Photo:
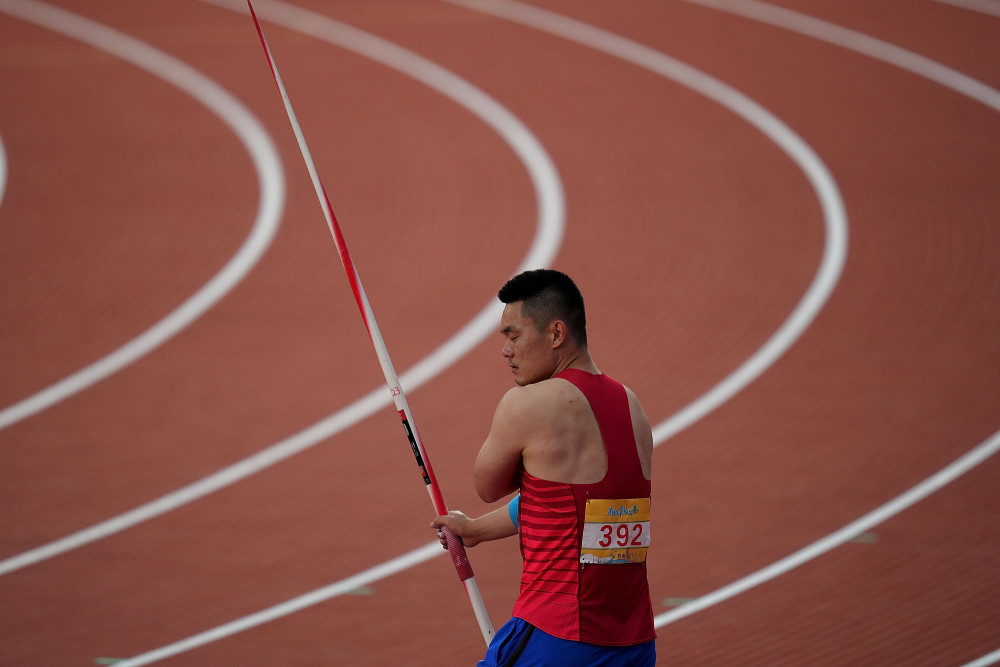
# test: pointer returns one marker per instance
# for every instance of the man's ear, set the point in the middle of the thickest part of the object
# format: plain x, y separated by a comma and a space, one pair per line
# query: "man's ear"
558, 333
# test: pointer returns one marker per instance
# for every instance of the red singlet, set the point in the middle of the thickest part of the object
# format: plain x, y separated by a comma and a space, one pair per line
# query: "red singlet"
584, 545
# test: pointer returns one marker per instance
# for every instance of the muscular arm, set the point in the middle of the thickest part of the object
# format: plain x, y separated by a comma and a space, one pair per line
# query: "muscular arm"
496, 472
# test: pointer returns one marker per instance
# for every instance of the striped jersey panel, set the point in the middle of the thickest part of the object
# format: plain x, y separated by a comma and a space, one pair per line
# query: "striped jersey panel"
549, 542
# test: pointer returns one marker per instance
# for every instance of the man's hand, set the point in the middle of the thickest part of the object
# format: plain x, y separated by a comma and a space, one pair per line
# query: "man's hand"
459, 524
492, 526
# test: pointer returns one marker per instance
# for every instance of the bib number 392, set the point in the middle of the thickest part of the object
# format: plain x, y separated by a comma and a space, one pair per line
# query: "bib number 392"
621, 535
615, 531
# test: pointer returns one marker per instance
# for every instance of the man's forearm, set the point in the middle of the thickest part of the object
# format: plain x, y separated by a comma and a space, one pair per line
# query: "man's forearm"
493, 525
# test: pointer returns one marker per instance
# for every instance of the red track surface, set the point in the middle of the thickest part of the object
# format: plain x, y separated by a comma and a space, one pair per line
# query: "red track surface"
692, 236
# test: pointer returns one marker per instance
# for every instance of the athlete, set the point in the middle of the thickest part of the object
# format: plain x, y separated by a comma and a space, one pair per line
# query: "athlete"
578, 447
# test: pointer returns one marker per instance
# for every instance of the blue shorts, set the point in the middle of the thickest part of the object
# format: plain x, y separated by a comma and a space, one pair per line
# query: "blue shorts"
520, 644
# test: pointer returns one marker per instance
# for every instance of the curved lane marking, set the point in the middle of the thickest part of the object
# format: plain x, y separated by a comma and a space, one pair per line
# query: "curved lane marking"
858, 42
991, 7
250, 132
548, 236
895, 506
988, 659
962, 465
371, 575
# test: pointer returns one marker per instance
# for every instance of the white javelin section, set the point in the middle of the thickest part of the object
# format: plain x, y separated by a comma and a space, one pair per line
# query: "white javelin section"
548, 236
250, 132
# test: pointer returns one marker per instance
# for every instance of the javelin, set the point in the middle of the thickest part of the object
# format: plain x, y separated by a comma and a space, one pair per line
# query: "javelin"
455, 546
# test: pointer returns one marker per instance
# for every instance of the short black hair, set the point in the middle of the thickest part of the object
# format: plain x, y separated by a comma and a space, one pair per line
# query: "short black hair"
548, 295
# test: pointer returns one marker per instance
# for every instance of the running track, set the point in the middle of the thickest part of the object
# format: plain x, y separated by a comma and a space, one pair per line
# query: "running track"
786, 223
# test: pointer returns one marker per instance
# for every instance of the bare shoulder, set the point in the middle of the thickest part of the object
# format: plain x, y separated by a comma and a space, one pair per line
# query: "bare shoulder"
633, 402
523, 417
549, 411
537, 399
643, 432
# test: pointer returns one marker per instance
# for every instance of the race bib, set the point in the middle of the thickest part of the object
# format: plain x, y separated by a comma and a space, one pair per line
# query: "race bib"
615, 531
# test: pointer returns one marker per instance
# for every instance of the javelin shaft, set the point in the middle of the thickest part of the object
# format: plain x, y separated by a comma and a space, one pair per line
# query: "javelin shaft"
455, 546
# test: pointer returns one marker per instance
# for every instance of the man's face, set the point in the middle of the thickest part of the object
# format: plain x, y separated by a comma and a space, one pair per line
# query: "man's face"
528, 351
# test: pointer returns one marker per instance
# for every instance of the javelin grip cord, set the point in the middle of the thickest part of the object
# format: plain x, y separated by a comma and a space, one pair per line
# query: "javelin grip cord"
455, 546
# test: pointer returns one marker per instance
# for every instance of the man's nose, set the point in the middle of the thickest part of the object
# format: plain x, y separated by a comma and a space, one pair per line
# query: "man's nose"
507, 350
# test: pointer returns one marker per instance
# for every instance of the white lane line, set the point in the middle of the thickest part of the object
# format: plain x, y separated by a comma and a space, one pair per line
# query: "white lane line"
845, 534
250, 132
991, 7
369, 576
548, 236
988, 659
859, 43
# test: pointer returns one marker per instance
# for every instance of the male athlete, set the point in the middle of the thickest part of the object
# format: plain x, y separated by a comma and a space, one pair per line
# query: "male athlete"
578, 446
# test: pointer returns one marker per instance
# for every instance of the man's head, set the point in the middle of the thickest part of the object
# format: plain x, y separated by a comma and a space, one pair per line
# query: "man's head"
548, 295
543, 324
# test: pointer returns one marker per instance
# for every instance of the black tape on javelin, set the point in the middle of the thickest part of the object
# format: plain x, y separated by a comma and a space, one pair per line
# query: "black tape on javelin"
416, 451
